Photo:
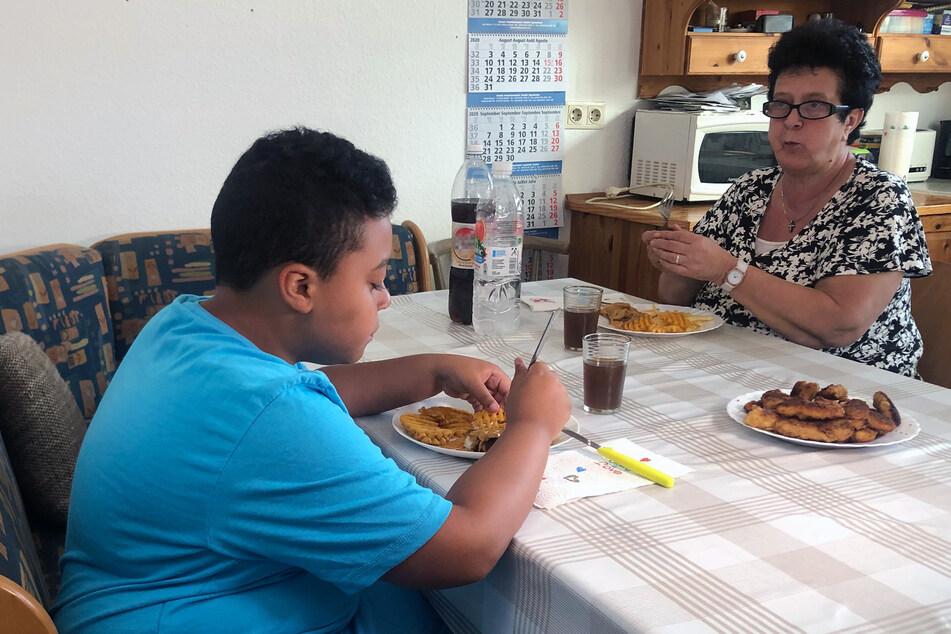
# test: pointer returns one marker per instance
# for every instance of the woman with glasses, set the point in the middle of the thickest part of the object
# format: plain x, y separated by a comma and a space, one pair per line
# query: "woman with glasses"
819, 250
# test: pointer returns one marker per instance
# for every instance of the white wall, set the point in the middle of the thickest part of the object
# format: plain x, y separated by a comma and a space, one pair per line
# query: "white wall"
126, 116
120, 116
932, 106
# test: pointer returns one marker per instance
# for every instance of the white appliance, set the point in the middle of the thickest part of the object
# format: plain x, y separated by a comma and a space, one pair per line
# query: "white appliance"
922, 152
698, 154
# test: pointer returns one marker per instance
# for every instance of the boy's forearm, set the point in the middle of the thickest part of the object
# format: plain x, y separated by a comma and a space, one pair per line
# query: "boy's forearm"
378, 386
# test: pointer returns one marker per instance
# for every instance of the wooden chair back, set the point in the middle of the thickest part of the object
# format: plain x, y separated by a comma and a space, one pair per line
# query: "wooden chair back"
532, 248
931, 308
21, 612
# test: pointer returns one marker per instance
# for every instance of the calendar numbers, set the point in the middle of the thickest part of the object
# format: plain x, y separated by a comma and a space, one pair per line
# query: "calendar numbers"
519, 9
540, 187
517, 135
515, 63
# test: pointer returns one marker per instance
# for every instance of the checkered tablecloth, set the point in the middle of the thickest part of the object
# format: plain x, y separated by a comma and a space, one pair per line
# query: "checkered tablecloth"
763, 536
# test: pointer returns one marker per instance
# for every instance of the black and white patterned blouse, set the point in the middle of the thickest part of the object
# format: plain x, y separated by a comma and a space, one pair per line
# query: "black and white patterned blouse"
869, 226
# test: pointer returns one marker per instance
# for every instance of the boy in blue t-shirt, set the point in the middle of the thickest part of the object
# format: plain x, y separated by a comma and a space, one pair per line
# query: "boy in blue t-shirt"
223, 486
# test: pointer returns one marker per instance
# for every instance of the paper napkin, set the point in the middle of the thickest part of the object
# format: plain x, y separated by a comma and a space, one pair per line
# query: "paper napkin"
543, 303
581, 473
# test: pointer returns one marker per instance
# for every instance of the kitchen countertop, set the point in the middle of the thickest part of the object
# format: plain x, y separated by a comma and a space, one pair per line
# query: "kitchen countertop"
931, 197
932, 186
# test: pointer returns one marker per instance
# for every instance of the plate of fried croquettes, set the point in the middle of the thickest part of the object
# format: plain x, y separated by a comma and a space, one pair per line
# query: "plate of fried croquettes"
827, 417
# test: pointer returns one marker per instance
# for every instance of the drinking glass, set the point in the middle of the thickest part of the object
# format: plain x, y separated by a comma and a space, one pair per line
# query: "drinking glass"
582, 306
605, 364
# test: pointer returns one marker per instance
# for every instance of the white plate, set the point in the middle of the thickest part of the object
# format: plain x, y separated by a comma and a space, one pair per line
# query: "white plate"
713, 324
572, 424
908, 429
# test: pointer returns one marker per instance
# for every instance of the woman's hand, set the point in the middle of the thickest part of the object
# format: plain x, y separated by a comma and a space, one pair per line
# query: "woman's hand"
689, 255
484, 385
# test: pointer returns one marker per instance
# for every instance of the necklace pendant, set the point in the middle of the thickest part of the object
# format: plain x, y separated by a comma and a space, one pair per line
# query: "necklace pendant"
791, 226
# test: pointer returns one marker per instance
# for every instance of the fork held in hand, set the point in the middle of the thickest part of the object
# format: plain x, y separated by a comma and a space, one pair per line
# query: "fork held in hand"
665, 207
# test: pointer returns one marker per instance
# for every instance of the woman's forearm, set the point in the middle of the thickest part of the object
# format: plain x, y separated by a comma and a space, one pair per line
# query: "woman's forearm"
677, 289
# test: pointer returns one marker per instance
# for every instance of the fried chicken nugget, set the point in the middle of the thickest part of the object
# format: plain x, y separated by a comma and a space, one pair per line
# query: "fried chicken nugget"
805, 390
839, 430
883, 404
834, 392
856, 409
864, 435
761, 418
772, 398
817, 409
620, 312
880, 423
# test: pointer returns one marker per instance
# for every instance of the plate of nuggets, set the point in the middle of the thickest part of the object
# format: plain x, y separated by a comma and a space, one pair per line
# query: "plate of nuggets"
656, 320
454, 431
827, 417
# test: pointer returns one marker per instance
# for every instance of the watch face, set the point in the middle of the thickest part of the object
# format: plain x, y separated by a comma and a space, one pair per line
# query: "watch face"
734, 277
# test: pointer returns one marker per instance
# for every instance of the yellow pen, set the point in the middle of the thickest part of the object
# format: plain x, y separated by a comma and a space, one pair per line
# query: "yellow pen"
627, 462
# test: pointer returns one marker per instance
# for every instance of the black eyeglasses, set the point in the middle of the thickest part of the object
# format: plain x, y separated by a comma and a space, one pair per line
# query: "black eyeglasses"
806, 109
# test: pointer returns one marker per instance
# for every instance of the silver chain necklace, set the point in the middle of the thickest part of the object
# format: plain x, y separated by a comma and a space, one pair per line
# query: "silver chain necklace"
792, 222
791, 226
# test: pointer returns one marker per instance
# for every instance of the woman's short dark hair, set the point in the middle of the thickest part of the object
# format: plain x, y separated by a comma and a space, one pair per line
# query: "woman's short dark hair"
297, 195
833, 44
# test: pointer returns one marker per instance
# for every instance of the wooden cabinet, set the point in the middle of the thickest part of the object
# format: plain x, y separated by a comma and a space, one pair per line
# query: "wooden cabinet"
914, 53
606, 245
733, 54
705, 61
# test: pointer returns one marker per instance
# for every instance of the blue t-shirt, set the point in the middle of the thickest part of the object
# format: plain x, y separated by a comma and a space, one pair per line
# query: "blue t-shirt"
221, 489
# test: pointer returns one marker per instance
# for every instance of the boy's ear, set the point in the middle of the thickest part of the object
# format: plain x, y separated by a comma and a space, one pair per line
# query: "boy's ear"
298, 286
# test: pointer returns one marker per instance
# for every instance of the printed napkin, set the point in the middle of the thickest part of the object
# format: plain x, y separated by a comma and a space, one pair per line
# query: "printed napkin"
544, 303
581, 473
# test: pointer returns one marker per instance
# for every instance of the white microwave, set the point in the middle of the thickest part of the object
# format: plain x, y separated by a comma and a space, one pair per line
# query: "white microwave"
698, 154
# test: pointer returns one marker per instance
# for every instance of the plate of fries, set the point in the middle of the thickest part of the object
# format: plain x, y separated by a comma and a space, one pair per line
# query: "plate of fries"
440, 426
656, 320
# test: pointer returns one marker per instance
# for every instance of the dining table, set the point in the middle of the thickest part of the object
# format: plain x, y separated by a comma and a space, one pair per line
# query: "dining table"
762, 535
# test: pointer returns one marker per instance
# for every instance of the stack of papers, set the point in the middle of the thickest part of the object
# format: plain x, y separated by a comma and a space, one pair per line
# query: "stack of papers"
723, 100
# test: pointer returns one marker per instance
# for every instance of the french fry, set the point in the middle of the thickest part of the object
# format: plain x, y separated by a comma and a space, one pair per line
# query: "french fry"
654, 319
448, 427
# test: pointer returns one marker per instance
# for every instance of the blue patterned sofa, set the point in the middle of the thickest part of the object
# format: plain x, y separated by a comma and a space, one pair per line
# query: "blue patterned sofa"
82, 307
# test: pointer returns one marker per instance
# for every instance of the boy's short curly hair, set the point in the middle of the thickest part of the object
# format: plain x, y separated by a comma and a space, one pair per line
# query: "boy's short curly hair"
833, 44
297, 195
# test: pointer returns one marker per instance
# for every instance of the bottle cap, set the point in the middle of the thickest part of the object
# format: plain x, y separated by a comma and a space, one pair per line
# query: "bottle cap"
474, 148
502, 168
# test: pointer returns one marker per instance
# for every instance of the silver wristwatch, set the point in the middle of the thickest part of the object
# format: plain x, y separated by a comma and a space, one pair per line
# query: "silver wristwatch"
735, 276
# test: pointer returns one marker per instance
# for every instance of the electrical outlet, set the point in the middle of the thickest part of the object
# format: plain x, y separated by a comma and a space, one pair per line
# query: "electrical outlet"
587, 115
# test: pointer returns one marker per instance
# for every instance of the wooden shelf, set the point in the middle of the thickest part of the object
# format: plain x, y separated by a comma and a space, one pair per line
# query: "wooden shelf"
701, 62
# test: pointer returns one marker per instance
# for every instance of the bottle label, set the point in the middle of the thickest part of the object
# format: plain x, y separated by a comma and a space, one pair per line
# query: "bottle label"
463, 245
501, 262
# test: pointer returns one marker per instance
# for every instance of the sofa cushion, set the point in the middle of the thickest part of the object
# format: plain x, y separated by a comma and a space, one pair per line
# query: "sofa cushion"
18, 558
57, 295
41, 427
401, 268
146, 271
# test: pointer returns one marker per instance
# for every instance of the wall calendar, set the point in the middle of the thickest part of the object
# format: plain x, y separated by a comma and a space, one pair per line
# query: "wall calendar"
515, 9
540, 186
525, 127
516, 103
505, 63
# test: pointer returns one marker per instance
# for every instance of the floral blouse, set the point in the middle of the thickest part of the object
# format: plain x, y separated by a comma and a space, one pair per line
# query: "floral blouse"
869, 226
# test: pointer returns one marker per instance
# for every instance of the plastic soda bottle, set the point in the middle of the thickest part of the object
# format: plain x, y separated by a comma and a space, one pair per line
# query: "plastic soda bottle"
499, 232
471, 188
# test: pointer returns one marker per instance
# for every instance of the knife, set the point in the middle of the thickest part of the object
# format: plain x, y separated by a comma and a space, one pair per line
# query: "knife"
627, 462
541, 340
